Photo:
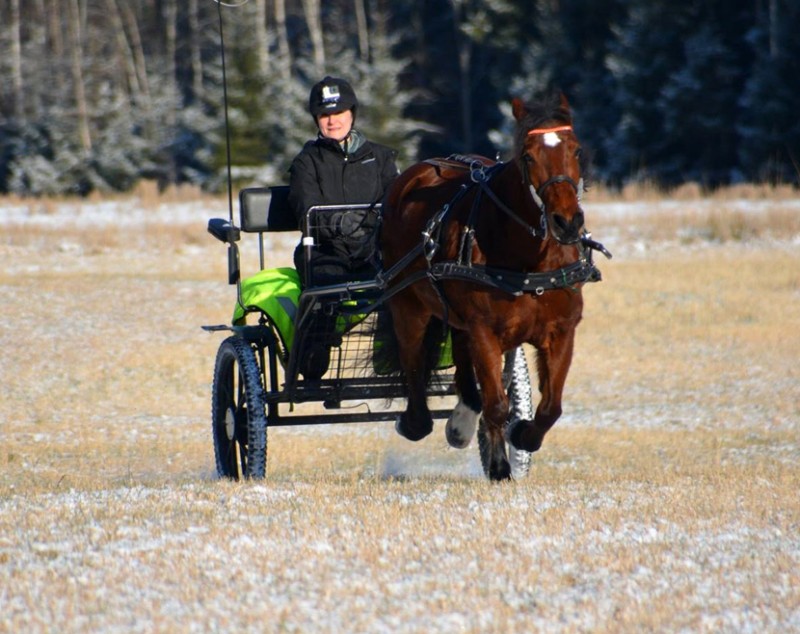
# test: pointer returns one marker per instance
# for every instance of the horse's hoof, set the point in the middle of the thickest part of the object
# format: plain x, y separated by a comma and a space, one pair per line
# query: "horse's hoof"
516, 435
414, 434
500, 471
460, 427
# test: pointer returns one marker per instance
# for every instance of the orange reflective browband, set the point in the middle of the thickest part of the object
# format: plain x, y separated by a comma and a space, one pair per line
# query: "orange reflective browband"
561, 128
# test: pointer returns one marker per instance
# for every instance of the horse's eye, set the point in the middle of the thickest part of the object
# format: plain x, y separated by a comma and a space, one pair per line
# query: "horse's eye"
578, 153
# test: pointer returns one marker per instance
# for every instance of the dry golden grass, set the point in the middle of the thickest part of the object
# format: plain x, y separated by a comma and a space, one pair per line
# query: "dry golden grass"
664, 500
145, 193
648, 191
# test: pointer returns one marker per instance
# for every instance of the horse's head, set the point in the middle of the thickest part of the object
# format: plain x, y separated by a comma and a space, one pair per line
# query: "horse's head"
549, 155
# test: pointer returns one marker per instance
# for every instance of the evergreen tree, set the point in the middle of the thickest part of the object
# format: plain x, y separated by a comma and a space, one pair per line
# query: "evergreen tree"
427, 39
647, 50
120, 90
698, 114
769, 128
567, 46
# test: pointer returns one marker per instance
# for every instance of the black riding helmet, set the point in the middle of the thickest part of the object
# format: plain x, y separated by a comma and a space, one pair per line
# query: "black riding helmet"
332, 95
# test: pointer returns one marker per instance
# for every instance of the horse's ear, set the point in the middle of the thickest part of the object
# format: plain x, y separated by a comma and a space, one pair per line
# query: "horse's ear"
563, 101
518, 108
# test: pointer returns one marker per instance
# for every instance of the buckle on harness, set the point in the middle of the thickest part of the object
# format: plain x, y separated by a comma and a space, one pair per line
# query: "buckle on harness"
477, 172
429, 243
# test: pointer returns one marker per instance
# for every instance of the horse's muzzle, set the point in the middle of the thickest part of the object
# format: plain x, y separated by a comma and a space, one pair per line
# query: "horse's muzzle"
567, 231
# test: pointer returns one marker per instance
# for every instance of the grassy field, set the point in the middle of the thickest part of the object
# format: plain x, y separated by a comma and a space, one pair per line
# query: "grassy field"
665, 499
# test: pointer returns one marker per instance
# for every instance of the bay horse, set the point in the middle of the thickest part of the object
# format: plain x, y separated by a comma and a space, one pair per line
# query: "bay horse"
497, 252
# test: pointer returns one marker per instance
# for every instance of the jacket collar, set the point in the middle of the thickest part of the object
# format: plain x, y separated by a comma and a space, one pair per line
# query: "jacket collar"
352, 144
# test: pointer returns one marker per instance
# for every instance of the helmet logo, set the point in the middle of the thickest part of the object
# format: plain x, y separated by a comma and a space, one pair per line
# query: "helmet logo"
330, 95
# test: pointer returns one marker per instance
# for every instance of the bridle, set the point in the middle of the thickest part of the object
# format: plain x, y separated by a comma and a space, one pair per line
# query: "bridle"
537, 193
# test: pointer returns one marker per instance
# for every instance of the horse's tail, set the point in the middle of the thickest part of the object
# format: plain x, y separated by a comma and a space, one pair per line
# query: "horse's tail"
386, 348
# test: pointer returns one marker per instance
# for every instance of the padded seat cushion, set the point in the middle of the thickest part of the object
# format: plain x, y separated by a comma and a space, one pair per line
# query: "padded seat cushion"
275, 292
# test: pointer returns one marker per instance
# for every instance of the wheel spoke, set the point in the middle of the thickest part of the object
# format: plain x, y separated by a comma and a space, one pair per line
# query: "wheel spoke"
242, 460
230, 458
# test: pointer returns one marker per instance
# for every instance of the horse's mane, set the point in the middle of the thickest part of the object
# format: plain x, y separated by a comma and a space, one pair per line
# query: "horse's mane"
538, 112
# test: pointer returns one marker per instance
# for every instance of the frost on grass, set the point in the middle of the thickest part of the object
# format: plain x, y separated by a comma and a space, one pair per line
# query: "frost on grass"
180, 557
663, 500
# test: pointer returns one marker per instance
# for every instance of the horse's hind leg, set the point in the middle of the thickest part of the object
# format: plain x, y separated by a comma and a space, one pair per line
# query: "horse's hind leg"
410, 323
462, 422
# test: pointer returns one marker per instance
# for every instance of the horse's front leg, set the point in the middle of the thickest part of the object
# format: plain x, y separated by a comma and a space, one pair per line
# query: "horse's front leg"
488, 362
464, 419
553, 361
409, 326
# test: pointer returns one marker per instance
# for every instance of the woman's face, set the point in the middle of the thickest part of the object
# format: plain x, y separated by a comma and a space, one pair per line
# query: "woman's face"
335, 126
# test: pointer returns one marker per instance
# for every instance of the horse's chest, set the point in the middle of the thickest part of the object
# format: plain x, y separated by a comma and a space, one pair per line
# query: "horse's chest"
536, 318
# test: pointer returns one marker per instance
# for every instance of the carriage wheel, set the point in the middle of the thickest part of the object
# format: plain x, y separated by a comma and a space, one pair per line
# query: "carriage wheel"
516, 378
239, 420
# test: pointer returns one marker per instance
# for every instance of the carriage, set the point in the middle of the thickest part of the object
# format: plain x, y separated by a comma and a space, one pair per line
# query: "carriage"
478, 258
258, 383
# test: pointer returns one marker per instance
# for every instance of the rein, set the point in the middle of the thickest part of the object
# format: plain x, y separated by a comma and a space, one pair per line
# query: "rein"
479, 175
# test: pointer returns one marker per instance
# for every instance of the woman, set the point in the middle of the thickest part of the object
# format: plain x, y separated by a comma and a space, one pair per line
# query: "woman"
339, 167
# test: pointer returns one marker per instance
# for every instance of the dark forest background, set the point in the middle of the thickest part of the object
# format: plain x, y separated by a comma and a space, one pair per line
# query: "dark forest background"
99, 94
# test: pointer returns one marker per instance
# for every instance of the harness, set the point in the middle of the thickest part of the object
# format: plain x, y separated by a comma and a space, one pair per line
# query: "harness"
463, 269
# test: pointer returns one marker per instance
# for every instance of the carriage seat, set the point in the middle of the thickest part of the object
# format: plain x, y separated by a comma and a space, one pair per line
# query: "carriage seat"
276, 292
272, 292
266, 210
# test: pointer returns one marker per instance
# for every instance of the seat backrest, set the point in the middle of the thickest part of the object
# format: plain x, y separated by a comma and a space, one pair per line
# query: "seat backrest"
266, 209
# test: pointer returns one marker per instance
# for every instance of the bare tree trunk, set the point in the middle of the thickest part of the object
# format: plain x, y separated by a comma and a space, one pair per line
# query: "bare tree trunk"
124, 52
464, 44
76, 62
363, 30
311, 9
135, 38
54, 29
465, 90
171, 37
773, 29
36, 104
285, 54
262, 37
16, 62
56, 40
171, 31
195, 44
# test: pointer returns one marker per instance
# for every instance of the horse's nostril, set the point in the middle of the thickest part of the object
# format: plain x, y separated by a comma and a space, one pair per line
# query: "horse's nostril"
567, 231
565, 225
560, 222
